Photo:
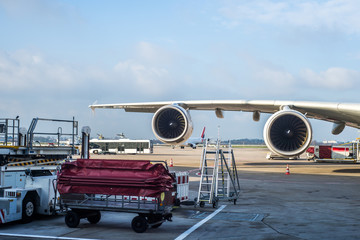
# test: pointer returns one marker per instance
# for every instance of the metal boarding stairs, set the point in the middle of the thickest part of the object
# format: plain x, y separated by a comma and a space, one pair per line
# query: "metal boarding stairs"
219, 178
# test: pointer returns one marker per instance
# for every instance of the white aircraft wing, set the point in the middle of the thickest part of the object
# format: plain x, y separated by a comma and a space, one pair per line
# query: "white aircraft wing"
287, 132
347, 113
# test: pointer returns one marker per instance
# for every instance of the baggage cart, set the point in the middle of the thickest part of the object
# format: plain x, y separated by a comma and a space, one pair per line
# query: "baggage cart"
89, 186
152, 212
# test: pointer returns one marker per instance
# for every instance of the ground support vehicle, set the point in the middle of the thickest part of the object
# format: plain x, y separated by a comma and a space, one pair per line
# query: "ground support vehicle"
273, 156
25, 192
347, 153
19, 147
28, 167
88, 186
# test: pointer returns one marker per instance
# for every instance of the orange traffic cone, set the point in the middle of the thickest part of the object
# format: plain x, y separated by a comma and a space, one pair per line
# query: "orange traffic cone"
287, 170
171, 162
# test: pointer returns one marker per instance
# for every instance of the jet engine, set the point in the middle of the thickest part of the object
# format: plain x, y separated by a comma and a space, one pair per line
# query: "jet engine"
172, 124
288, 133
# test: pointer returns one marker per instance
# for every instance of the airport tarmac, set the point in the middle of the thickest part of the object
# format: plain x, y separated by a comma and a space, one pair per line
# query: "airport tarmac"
316, 201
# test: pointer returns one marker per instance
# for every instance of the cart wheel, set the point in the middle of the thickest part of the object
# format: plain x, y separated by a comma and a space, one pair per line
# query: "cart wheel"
215, 204
202, 204
28, 209
235, 201
195, 202
72, 219
139, 224
93, 219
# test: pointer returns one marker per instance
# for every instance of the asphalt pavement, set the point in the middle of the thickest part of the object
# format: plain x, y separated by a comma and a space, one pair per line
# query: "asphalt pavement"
315, 201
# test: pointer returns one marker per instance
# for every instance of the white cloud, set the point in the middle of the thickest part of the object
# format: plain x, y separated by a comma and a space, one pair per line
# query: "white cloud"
335, 15
332, 78
268, 78
153, 54
273, 77
24, 70
32, 73
148, 79
152, 70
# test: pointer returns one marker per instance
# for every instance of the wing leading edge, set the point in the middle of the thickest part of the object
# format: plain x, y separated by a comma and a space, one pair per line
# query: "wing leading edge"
347, 113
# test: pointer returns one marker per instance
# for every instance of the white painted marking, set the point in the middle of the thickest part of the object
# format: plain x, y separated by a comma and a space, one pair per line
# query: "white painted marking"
196, 226
256, 216
39, 236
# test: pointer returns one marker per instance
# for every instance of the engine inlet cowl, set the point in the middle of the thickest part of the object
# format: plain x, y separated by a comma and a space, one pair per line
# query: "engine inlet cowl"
288, 133
172, 124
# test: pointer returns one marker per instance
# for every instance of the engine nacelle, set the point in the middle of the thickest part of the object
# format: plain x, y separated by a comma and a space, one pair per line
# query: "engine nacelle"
172, 124
288, 133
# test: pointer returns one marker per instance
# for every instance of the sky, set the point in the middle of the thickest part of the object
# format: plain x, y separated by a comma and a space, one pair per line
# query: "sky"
57, 57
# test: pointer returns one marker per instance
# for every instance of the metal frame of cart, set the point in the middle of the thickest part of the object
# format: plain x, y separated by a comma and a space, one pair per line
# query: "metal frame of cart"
152, 211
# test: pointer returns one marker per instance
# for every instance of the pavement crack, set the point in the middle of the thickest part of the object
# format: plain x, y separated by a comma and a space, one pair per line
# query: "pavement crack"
281, 233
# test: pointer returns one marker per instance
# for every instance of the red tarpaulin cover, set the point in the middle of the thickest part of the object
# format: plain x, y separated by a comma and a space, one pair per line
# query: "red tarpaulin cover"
114, 177
324, 152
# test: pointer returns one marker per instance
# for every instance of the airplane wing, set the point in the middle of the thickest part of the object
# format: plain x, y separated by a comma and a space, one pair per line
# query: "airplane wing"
347, 113
287, 132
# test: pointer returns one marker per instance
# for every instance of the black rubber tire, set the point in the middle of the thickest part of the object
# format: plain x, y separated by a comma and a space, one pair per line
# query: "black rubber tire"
72, 219
139, 224
202, 204
177, 202
28, 209
94, 219
215, 204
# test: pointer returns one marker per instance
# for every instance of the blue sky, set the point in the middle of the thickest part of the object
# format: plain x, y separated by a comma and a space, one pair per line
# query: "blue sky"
57, 57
